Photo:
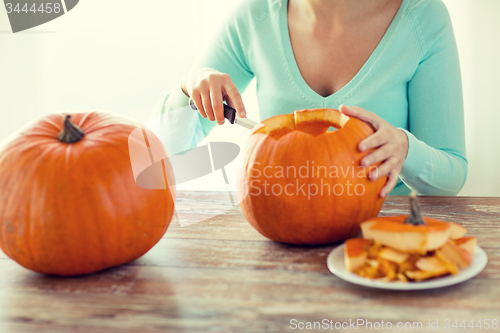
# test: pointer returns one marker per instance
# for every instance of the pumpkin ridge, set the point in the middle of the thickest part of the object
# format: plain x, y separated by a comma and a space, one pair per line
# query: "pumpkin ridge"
129, 198
83, 119
360, 128
29, 235
255, 149
3, 231
57, 127
104, 122
133, 215
17, 145
59, 180
30, 173
103, 194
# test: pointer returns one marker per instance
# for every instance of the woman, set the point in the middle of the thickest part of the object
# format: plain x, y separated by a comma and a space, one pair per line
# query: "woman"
394, 61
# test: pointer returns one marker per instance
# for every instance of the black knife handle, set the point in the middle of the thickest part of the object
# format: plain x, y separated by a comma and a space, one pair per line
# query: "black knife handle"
229, 112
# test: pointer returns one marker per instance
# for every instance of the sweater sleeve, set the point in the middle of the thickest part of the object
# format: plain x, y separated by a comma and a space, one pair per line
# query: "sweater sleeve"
436, 163
226, 54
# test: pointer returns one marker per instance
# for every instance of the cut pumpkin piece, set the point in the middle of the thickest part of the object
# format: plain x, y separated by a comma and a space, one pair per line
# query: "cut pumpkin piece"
457, 231
355, 253
456, 255
432, 265
393, 255
466, 243
422, 275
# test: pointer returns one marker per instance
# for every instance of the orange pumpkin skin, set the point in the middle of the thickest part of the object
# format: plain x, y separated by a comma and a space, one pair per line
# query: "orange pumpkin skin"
302, 218
74, 208
397, 224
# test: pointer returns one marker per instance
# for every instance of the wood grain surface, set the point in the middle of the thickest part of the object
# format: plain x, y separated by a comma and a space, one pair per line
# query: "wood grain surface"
220, 275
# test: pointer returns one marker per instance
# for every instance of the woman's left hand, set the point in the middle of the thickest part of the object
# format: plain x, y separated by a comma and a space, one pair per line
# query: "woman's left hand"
390, 143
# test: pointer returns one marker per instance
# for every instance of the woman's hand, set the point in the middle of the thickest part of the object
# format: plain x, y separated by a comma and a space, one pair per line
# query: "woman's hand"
390, 143
209, 88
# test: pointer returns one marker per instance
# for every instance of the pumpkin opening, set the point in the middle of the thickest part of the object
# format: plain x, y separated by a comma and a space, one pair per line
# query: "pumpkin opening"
314, 122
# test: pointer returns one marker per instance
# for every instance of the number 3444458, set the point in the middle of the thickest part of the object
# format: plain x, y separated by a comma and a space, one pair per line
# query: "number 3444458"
44, 7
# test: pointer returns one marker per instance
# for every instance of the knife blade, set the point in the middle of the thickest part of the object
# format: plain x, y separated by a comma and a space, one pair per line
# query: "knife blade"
231, 115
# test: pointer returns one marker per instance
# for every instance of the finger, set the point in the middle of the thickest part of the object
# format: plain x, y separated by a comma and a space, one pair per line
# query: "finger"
234, 98
207, 104
391, 182
378, 155
362, 114
199, 104
216, 99
383, 169
373, 141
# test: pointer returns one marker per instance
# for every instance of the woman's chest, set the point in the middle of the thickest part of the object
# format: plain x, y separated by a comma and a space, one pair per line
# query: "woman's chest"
330, 55
327, 65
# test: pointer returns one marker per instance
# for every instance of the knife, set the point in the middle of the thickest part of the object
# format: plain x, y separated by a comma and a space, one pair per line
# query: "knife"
231, 115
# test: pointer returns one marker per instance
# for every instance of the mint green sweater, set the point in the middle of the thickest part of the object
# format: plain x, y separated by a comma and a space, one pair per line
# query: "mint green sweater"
412, 80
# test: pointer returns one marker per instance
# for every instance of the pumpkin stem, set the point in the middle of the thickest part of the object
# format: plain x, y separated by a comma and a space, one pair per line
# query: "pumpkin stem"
415, 217
71, 133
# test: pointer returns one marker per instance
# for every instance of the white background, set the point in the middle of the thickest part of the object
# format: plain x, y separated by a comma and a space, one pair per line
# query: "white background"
123, 56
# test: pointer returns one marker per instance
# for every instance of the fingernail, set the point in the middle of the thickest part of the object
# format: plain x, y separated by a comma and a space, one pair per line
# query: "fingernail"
220, 122
366, 162
243, 114
362, 147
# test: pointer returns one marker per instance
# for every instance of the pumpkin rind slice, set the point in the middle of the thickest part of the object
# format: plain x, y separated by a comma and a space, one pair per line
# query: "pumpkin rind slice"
393, 232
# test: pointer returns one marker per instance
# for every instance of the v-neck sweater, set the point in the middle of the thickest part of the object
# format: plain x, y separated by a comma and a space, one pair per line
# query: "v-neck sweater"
412, 80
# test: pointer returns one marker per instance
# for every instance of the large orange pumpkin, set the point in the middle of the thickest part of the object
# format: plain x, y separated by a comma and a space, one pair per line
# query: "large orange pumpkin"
302, 184
69, 203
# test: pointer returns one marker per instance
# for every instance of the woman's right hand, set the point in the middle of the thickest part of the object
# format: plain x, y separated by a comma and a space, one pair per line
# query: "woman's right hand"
209, 88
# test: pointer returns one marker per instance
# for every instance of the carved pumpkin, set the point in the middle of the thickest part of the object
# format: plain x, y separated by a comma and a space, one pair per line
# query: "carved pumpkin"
69, 203
302, 184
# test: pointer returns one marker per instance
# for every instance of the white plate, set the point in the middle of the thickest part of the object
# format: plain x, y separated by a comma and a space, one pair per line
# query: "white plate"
335, 262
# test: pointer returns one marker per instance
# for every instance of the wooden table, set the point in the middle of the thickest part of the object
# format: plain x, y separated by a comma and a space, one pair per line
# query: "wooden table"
222, 276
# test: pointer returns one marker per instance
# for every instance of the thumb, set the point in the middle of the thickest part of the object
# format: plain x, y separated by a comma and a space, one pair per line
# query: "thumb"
350, 110
360, 113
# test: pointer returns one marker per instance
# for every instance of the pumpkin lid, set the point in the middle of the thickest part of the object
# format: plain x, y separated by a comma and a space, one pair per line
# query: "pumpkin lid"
397, 224
412, 233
